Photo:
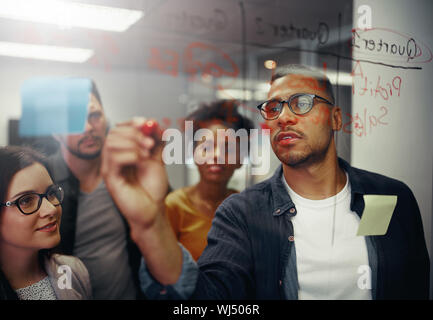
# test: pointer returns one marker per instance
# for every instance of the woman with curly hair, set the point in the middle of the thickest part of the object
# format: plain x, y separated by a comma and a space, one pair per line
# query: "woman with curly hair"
191, 209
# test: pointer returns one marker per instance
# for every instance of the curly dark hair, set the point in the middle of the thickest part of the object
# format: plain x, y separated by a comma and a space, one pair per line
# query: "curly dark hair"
224, 111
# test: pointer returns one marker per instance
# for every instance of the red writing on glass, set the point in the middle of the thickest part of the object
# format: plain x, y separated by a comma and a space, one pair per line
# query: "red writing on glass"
171, 62
363, 85
363, 124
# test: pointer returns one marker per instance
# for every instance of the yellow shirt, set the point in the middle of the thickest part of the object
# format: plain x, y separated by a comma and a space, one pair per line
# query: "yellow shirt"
190, 226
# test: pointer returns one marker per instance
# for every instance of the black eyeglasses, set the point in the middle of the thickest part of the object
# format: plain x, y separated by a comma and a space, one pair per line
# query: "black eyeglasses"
31, 202
299, 104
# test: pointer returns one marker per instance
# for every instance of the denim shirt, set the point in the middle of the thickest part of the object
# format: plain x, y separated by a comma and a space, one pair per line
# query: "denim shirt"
251, 255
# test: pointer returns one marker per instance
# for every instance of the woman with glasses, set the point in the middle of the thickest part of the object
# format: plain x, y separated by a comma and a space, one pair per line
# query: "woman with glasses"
191, 209
30, 214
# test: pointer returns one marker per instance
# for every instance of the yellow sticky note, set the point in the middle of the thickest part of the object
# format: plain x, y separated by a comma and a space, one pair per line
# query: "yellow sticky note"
377, 214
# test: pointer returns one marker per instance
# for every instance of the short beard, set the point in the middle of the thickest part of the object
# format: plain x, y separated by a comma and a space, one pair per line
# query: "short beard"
305, 159
300, 161
85, 156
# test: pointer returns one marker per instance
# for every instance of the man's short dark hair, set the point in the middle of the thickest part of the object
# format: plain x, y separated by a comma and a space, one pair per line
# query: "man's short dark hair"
300, 69
95, 92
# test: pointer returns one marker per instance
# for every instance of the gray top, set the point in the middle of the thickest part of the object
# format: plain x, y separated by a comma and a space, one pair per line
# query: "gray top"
68, 277
41, 290
101, 245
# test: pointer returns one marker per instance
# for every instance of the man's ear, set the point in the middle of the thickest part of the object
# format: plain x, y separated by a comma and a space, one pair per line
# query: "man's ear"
336, 118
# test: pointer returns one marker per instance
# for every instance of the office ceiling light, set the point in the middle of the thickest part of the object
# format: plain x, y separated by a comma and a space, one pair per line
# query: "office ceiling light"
270, 64
67, 14
42, 52
263, 86
344, 78
234, 94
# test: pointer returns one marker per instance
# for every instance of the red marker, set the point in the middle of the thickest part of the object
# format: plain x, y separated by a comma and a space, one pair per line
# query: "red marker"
149, 128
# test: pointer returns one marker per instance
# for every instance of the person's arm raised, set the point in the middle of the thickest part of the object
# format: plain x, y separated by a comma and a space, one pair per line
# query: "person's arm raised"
136, 178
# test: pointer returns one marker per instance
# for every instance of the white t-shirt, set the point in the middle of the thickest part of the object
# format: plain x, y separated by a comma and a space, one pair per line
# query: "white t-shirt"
332, 262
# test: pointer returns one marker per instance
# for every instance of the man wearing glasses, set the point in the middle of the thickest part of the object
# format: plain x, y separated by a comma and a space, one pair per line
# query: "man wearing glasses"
92, 227
293, 236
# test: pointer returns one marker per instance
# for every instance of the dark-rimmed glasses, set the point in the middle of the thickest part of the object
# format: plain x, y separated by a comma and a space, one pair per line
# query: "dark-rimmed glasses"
31, 202
299, 104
